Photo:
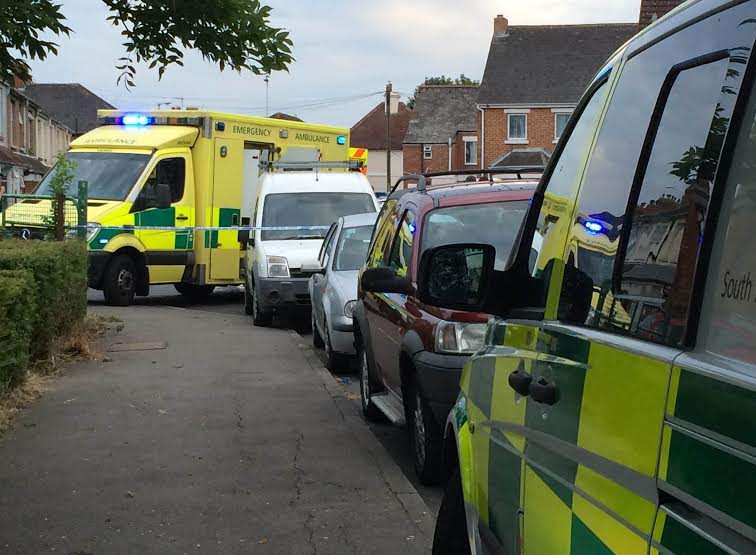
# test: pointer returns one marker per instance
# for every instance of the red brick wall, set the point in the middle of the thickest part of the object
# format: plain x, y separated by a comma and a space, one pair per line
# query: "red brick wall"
540, 132
658, 8
414, 162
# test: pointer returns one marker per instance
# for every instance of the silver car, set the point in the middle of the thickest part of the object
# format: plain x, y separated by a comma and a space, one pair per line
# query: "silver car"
333, 289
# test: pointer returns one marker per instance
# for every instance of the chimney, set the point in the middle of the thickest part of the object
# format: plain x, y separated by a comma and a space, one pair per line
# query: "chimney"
501, 24
651, 10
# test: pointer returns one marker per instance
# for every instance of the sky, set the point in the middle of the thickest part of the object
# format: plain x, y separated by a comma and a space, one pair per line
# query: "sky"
345, 53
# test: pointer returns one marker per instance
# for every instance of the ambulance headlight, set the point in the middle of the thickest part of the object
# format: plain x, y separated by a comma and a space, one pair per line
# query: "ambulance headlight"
92, 230
278, 267
460, 337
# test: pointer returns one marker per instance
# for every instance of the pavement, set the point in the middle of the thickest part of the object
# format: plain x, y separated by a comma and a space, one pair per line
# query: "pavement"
202, 434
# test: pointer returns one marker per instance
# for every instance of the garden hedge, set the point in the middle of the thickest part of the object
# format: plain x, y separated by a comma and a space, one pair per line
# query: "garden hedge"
55, 280
17, 315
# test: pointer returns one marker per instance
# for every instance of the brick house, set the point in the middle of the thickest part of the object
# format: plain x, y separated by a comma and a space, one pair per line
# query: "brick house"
370, 133
536, 74
70, 103
443, 131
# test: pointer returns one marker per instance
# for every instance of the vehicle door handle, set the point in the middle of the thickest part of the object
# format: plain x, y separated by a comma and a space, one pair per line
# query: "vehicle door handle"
182, 218
519, 380
543, 391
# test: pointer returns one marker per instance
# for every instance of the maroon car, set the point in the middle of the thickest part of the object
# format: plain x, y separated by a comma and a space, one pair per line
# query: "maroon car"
411, 352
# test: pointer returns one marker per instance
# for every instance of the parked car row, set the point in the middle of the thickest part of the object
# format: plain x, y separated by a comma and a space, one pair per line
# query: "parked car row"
578, 362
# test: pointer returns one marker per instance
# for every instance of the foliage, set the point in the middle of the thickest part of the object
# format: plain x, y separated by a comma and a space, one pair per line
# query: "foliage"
230, 33
22, 22
442, 80
59, 272
62, 177
17, 312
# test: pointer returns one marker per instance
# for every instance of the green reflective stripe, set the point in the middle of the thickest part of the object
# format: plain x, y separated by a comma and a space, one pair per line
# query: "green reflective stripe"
713, 476
481, 384
156, 216
211, 239
504, 471
584, 541
564, 468
184, 240
228, 217
723, 408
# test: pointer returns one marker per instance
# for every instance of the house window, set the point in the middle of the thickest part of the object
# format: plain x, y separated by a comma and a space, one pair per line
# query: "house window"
518, 127
427, 152
560, 123
471, 150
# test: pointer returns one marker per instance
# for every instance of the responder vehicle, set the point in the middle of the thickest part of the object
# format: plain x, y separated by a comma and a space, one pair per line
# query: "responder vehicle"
296, 205
188, 174
612, 407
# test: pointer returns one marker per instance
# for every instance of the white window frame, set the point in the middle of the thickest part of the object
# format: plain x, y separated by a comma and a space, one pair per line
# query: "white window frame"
427, 152
557, 112
465, 142
517, 140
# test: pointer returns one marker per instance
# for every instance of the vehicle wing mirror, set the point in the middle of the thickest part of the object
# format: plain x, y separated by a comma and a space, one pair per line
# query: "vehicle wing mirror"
243, 237
163, 194
384, 280
456, 276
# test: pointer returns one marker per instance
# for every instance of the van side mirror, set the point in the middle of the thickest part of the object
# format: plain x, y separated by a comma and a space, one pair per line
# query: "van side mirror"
243, 237
384, 280
163, 195
456, 276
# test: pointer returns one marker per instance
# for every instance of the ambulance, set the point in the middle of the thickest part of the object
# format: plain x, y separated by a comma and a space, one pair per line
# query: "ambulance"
164, 185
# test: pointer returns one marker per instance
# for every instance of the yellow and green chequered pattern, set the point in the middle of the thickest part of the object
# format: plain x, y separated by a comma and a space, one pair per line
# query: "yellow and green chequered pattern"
611, 405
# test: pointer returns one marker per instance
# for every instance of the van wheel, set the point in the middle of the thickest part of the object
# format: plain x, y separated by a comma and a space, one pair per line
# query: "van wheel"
425, 437
369, 410
259, 317
120, 281
247, 299
194, 293
317, 340
450, 537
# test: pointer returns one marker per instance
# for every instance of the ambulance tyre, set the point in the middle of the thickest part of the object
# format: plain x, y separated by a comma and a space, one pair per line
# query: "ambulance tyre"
193, 292
451, 536
119, 283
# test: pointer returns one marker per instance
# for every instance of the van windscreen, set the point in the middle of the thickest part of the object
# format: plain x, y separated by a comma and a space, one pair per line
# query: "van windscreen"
309, 210
109, 175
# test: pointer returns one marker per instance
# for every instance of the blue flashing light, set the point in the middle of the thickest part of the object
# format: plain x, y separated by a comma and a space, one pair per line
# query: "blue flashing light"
341, 140
412, 228
593, 227
138, 120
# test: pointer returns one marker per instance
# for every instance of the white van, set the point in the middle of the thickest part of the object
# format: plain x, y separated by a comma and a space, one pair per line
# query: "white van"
279, 262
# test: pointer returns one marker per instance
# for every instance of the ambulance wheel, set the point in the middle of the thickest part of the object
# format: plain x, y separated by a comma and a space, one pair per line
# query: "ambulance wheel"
119, 284
425, 435
260, 318
195, 293
451, 536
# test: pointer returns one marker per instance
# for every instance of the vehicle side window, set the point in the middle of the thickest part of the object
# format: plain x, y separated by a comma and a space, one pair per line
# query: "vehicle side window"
401, 251
170, 171
384, 231
633, 247
327, 243
728, 323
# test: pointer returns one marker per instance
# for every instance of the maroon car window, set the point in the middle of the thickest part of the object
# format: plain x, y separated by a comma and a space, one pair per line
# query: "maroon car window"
495, 223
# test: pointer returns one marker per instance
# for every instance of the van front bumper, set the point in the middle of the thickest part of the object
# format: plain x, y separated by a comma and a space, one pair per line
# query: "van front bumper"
97, 261
438, 376
282, 294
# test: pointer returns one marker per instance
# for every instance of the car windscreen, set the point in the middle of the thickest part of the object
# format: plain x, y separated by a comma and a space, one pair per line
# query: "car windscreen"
309, 210
495, 223
109, 175
351, 250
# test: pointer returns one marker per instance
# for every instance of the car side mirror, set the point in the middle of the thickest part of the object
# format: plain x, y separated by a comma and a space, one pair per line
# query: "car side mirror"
163, 195
243, 237
456, 276
384, 280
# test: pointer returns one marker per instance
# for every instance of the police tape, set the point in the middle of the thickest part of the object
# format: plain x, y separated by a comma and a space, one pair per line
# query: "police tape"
96, 227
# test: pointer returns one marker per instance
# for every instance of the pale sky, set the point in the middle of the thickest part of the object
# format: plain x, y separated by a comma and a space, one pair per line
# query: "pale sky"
344, 51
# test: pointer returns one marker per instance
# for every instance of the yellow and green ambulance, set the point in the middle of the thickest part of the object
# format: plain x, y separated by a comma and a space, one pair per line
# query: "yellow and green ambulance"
163, 185
613, 406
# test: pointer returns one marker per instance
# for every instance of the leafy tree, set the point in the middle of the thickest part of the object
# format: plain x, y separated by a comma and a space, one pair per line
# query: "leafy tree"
442, 80
230, 33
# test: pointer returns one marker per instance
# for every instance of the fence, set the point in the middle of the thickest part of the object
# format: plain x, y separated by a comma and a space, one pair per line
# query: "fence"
44, 216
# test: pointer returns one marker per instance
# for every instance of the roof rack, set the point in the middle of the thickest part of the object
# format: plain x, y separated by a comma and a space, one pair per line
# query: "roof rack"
422, 179
312, 165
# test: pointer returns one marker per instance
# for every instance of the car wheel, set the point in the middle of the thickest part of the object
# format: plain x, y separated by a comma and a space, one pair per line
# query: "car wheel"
369, 410
450, 537
317, 340
120, 281
194, 293
260, 317
332, 358
425, 437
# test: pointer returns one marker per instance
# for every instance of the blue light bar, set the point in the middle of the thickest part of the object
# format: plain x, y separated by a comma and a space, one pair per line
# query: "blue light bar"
341, 140
135, 120
593, 227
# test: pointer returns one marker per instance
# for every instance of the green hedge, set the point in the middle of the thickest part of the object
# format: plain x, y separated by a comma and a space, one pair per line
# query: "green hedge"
17, 313
57, 273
